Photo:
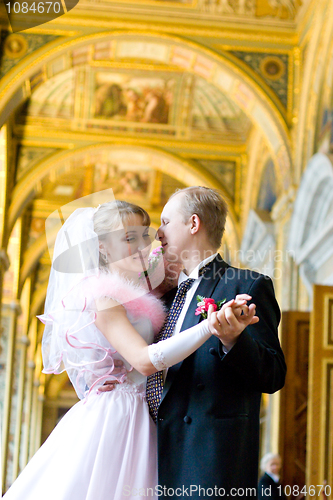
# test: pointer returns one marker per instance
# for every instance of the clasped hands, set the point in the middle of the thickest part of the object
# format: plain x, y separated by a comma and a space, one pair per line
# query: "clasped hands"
228, 323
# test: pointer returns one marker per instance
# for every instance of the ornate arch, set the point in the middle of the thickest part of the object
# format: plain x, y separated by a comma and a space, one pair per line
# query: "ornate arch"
184, 171
173, 52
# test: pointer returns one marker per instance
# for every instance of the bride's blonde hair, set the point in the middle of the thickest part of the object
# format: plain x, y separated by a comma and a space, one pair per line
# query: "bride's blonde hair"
110, 215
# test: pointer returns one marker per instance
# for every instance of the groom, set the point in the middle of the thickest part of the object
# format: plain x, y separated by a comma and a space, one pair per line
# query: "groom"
208, 415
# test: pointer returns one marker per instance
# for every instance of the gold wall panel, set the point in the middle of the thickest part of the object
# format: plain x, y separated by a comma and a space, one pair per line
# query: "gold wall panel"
320, 415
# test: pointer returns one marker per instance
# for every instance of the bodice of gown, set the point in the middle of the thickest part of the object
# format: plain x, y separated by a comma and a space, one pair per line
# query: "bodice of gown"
72, 342
135, 381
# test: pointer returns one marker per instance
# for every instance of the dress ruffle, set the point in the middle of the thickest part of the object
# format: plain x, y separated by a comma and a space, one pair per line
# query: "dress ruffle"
135, 298
73, 343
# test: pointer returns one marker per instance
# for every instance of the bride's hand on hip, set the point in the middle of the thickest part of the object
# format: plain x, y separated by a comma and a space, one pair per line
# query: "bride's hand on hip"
109, 385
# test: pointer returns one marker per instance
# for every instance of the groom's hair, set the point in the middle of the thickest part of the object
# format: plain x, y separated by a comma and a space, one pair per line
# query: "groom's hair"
209, 206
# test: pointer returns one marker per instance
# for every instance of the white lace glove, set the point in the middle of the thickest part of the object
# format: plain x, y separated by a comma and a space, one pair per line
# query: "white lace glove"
171, 351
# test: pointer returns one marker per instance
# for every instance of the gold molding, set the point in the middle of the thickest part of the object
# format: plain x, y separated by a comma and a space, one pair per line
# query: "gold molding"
57, 32
136, 65
31, 135
196, 20
217, 156
89, 21
254, 48
275, 59
20, 40
191, 4
326, 416
328, 322
320, 408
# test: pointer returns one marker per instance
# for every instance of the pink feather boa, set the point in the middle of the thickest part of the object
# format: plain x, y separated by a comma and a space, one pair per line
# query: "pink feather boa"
136, 299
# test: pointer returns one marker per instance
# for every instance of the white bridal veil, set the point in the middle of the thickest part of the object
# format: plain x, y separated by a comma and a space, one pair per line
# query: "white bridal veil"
71, 341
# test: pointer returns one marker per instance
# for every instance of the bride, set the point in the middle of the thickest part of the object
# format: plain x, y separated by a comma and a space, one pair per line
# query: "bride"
97, 311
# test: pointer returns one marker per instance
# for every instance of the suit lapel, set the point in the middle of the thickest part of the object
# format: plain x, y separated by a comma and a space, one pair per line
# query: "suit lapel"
206, 288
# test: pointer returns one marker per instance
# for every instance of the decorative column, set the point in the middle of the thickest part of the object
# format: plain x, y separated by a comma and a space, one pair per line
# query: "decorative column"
4, 260
283, 259
10, 389
37, 403
282, 266
23, 343
9, 371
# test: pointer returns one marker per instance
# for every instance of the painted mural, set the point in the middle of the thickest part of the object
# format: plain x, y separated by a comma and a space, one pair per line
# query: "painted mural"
54, 99
125, 97
128, 182
268, 191
214, 111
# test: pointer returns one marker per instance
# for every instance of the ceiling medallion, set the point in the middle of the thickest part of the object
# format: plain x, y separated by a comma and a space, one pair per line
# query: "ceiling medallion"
272, 68
15, 46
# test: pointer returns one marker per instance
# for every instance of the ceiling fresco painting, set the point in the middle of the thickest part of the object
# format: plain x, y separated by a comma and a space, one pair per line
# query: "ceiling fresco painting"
216, 112
178, 104
133, 99
54, 99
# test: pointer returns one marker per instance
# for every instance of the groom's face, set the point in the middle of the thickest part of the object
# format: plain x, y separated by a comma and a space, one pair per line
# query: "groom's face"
174, 232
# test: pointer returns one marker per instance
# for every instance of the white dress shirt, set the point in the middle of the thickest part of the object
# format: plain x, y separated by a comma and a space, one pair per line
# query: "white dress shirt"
191, 292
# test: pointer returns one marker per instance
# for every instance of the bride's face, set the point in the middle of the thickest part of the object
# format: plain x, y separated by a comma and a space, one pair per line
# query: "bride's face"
127, 247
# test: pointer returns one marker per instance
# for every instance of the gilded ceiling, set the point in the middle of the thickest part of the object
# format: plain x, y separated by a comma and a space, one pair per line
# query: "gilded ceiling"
145, 112
147, 91
257, 9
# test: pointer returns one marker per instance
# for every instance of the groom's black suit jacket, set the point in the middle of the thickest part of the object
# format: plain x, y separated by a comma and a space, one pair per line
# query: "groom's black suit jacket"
208, 419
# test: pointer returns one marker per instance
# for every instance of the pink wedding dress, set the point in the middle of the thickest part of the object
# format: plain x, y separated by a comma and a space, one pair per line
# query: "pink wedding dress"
105, 447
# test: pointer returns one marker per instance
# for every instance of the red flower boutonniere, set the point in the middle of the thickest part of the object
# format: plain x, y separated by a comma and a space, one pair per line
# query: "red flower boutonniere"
203, 305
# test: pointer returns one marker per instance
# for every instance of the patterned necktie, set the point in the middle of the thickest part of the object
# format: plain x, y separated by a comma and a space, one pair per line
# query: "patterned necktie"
155, 382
